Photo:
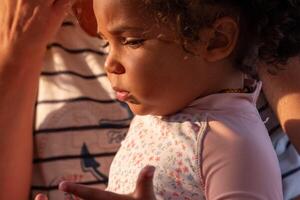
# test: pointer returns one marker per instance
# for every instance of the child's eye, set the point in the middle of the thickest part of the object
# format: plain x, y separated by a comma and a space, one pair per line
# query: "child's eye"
133, 42
106, 44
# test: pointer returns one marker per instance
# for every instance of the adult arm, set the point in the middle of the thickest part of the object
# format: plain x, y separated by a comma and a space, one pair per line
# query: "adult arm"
283, 94
26, 27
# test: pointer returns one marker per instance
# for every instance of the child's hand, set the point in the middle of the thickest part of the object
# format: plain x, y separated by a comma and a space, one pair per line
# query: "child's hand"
143, 190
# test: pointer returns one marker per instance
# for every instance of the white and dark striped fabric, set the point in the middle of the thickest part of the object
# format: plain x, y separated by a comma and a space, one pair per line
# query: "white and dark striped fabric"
79, 124
288, 157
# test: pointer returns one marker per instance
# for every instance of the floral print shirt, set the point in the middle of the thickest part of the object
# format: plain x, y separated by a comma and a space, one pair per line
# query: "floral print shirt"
216, 148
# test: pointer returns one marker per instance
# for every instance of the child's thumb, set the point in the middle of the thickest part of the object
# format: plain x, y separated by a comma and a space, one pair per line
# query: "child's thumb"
144, 185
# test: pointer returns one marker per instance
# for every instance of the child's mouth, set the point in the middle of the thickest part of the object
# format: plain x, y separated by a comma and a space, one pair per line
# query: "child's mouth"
122, 95
125, 96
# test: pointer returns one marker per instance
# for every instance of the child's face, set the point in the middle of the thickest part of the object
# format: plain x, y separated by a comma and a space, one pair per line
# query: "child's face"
147, 68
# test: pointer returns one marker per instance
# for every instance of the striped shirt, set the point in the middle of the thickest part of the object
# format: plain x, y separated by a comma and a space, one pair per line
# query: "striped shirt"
79, 123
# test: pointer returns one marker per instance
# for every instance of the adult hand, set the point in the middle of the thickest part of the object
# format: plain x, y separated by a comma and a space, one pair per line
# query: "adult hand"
28, 25
143, 191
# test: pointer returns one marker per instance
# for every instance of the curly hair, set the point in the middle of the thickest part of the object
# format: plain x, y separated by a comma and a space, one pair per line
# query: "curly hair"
269, 29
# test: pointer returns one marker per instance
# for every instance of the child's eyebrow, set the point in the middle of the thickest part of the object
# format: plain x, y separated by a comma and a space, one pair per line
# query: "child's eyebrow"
117, 30
120, 30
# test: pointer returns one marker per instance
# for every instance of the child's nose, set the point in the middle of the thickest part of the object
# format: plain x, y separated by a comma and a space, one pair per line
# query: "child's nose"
111, 65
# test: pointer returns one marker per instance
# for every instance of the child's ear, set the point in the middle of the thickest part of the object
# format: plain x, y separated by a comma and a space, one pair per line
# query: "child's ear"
221, 39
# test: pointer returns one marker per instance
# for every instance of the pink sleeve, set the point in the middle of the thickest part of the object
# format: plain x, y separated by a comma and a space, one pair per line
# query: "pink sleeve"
235, 165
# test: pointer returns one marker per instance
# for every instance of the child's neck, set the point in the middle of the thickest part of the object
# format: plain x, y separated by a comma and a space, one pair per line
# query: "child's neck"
235, 81
229, 78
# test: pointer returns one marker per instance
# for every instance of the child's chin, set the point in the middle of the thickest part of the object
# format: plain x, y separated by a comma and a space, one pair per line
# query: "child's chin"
140, 109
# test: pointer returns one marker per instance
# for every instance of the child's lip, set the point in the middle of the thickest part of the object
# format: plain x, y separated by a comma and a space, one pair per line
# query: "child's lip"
121, 95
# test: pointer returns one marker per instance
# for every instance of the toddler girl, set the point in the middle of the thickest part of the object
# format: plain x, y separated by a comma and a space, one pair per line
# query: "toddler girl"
182, 66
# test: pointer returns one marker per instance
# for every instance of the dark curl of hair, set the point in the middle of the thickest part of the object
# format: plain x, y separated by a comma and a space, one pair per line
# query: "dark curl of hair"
269, 29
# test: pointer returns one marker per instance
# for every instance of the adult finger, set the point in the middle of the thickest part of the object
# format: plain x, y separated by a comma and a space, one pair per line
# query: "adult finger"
84, 12
41, 197
144, 185
58, 12
62, 6
89, 193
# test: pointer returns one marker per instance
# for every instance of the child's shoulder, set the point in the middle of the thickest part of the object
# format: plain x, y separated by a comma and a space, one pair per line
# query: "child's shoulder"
234, 149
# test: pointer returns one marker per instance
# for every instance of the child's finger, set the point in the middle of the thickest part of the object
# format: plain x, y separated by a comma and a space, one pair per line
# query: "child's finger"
144, 185
89, 193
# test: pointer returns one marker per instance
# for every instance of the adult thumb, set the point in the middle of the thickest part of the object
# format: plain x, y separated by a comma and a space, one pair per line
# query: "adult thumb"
144, 185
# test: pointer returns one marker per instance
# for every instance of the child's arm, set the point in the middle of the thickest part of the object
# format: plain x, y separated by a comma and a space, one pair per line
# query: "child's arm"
144, 189
283, 94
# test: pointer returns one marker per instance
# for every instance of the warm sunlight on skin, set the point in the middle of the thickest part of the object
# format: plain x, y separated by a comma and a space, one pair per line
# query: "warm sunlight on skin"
155, 75
288, 107
287, 99
283, 93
